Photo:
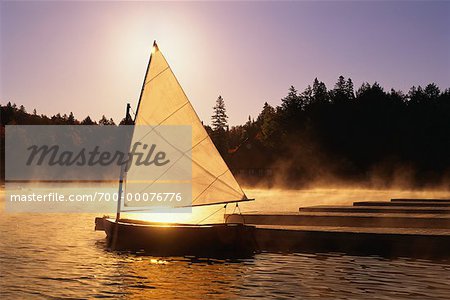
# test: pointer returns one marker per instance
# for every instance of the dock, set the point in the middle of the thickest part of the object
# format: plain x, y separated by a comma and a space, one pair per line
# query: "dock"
399, 227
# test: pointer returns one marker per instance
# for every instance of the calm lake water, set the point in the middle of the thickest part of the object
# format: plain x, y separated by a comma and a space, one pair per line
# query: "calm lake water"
53, 256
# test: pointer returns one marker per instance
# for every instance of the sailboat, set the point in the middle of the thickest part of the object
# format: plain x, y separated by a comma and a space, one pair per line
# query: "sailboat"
162, 102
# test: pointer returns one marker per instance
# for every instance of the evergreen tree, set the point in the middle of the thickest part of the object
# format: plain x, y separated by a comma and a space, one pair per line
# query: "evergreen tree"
349, 89
268, 126
339, 93
319, 92
105, 121
397, 97
365, 86
340, 85
219, 117
250, 128
71, 119
292, 102
307, 96
432, 92
87, 121
58, 119
7, 114
220, 127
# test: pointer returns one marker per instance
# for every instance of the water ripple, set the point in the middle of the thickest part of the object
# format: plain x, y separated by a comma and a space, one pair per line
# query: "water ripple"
61, 259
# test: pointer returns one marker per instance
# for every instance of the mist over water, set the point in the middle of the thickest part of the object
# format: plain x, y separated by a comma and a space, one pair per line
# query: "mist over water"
266, 200
290, 199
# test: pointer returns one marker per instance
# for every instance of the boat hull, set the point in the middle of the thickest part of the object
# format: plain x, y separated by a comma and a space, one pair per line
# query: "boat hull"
215, 240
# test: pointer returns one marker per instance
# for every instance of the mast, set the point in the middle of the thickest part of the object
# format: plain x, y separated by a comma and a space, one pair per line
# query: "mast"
122, 172
154, 48
128, 118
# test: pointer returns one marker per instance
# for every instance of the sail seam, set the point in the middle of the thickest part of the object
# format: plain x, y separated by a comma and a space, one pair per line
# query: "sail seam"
165, 119
184, 154
168, 67
215, 179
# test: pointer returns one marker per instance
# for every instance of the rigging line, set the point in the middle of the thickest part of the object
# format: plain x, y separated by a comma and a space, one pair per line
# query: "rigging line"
240, 213
195, 162
165, 119
225, 213
154, 77
215, 179
179, 150
234, 210
198, 164
132, 110
239, 208
155, 180
124, 192
220, 208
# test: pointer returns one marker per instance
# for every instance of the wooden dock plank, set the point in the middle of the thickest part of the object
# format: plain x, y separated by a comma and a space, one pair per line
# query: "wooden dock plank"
344, 219
406, 200
376, 209
402, 203
370, 230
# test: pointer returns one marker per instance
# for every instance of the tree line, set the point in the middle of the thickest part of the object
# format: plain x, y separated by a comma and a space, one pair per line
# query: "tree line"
361, 136
11, 114
343, 133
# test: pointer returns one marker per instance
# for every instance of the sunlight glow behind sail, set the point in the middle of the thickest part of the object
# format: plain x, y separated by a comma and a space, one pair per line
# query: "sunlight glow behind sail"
163, 102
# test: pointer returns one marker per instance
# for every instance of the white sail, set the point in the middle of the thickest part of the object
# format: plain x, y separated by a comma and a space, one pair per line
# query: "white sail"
163, 102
